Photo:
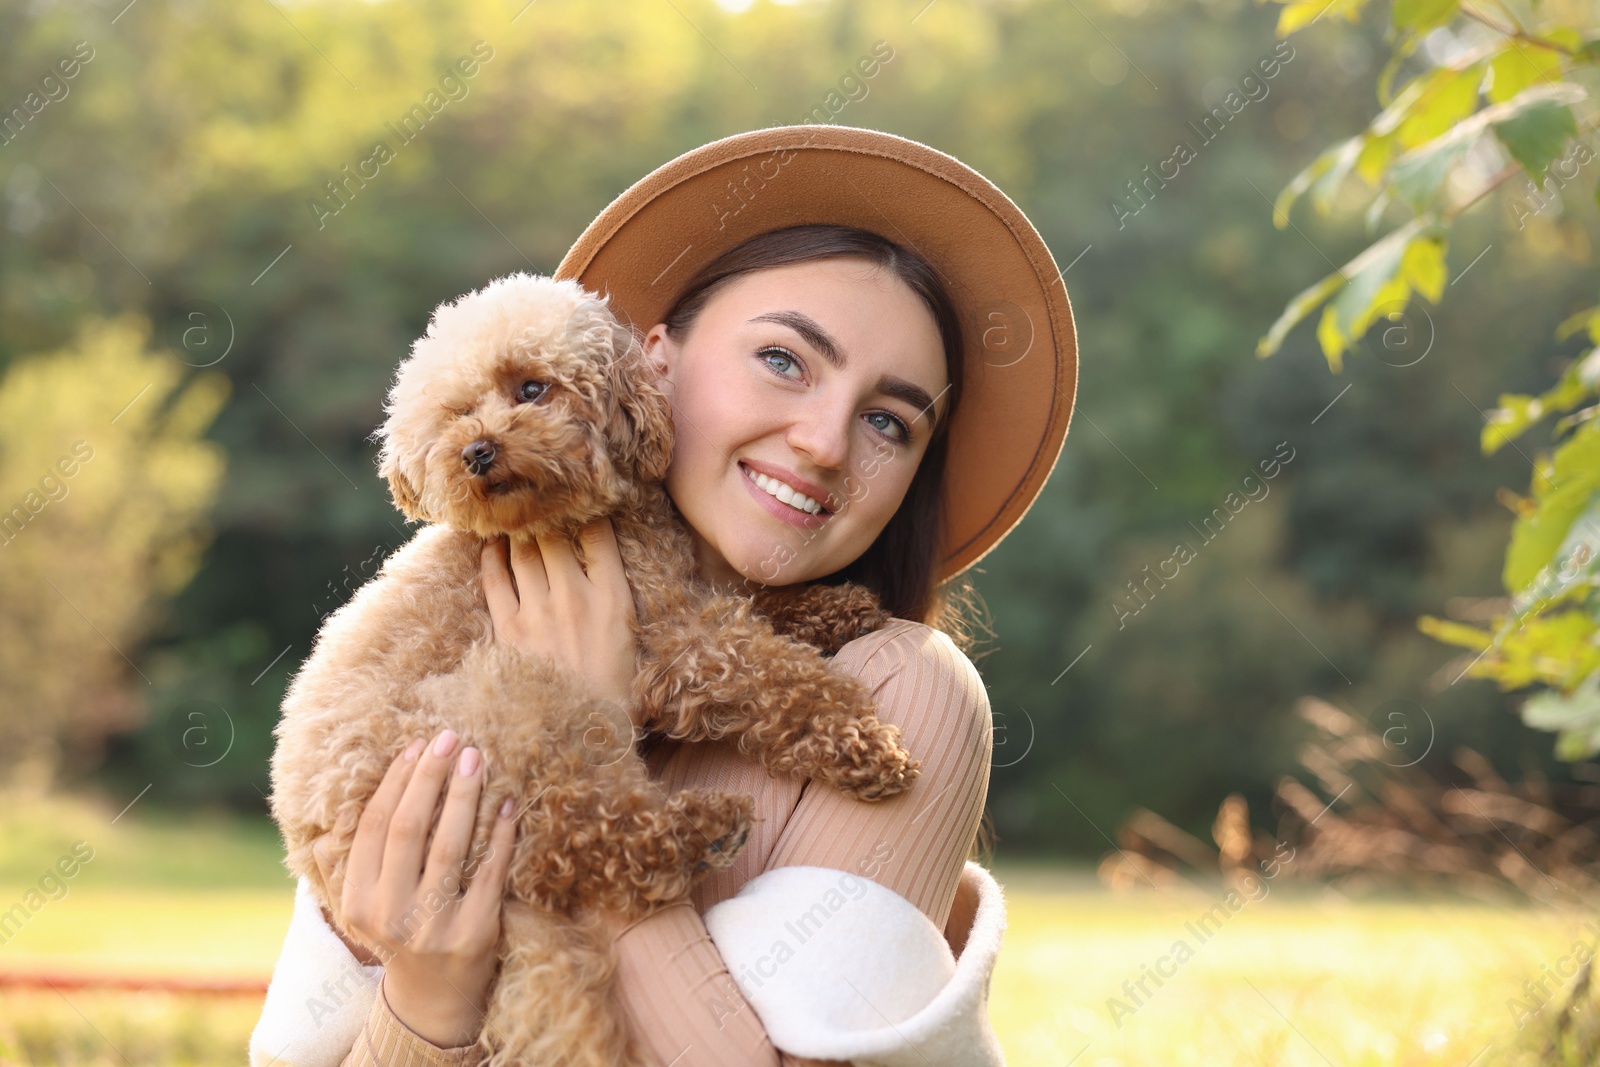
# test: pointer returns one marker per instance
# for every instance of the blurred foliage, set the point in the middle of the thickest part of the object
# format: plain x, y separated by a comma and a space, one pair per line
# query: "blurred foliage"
186, 174
1494, 102
107, 485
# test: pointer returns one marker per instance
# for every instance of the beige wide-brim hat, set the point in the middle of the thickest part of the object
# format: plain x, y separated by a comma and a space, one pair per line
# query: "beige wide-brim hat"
1021, 371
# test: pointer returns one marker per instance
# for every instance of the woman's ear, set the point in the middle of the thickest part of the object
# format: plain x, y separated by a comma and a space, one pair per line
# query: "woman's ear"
660, 352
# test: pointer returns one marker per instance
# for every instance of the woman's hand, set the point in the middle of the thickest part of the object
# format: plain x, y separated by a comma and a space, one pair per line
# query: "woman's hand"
582, 621
436, 941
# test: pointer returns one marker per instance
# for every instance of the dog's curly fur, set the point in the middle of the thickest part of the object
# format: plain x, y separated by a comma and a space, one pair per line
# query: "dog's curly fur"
528, 409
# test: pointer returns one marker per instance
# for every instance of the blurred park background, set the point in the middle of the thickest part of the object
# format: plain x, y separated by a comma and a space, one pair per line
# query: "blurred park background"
200, 311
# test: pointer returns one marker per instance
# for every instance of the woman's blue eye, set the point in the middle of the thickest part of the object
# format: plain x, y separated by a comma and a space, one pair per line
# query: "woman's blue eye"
779, 353
905, 431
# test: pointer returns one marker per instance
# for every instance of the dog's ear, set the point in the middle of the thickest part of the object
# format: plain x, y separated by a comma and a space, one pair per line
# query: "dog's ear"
639, 428
404, 493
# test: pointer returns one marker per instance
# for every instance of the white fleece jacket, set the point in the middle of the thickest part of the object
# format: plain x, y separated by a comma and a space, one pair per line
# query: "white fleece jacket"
833, 972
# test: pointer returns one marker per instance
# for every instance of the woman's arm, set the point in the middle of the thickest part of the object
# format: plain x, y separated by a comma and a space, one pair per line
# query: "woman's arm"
325, 1006
681, 999
424, 907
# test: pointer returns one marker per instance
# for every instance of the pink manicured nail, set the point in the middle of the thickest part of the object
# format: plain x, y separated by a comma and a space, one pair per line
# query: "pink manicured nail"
446, 743
505, 808
414, 749
468, 761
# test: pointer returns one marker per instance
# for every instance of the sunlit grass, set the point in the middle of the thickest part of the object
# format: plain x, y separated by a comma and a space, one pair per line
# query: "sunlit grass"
1299, 977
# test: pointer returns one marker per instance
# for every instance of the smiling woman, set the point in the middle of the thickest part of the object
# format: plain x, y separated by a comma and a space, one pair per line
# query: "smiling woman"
820, 364
820, 374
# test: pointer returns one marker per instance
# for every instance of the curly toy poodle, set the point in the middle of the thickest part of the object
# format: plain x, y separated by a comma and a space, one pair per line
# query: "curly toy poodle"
528, 409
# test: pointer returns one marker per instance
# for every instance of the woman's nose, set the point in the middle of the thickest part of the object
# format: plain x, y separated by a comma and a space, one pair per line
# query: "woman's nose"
824, 438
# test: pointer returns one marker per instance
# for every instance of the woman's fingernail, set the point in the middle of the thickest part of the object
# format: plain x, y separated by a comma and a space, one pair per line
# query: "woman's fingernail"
468, 761
414, 749
445, 744
505, 808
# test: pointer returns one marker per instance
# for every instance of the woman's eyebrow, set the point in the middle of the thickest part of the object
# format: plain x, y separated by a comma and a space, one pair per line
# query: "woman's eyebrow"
811, 330
818, 338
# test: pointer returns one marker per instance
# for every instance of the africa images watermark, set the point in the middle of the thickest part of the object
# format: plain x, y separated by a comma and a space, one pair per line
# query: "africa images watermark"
1183, 552
336, 994
52, 886
848, 887
1211, 126
737, 196
1562, 171
51, 488
1553, 978
855, 490
1137, 992
51, 90
337, 597
451, 88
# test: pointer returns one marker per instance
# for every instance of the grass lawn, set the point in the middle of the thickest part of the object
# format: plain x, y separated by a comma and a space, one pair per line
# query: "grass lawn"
1298, 977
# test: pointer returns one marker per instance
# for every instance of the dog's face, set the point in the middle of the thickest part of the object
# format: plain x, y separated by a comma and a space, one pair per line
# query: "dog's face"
525, 406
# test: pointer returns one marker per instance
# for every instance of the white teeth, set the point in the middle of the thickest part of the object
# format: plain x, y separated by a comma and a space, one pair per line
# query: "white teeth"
778, 489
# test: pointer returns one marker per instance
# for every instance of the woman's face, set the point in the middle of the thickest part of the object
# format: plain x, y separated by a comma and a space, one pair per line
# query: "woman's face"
760, 407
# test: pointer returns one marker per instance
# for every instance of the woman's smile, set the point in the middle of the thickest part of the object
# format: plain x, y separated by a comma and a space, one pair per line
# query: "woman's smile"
778, 499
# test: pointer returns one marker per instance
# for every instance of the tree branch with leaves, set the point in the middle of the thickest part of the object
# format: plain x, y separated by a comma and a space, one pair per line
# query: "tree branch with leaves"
1508, 94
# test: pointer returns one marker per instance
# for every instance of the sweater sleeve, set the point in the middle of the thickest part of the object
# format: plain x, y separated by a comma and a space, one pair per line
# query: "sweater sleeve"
324, 1008
683, 1003
385, 1041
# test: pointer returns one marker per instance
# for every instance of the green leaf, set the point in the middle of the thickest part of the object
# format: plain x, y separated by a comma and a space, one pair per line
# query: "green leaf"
1571, 569
1300, 13
1589, 317
1423, 266
1418, 175
1389, 119
1402, 51
1372, 268
1423, 15
1454, 633
1575, 715
1553, 710
1565, 36
1519, 66
1297, 309
1357, 302
1374, 157
1536, 136
1448, 97
1331, 339
1573, 484
1575, 746
1509, 421
1335, 162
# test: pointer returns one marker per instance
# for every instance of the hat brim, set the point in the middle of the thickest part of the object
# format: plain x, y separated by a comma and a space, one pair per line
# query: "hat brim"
1021, 370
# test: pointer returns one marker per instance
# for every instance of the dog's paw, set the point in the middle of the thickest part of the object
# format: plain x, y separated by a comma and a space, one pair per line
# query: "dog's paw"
718, 826
724, 848
862, 757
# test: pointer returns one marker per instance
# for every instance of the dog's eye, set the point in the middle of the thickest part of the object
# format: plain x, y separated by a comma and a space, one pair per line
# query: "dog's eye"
530, 391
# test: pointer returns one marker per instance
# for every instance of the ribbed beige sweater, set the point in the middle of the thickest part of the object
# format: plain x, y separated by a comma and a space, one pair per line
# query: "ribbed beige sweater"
681, 999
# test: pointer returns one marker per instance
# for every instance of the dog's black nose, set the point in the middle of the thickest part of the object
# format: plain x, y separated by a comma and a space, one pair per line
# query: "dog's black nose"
478, 456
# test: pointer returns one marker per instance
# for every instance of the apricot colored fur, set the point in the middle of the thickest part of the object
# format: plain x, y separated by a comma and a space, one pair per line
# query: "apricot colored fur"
412, 653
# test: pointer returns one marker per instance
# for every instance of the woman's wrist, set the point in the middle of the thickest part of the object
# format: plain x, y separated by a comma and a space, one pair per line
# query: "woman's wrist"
433, 1008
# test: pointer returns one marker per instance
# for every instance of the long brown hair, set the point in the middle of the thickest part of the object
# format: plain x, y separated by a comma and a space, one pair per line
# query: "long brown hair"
901, 566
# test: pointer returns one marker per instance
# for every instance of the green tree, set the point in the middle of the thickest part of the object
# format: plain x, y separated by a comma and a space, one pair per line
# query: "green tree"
1494, 102
105, 485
